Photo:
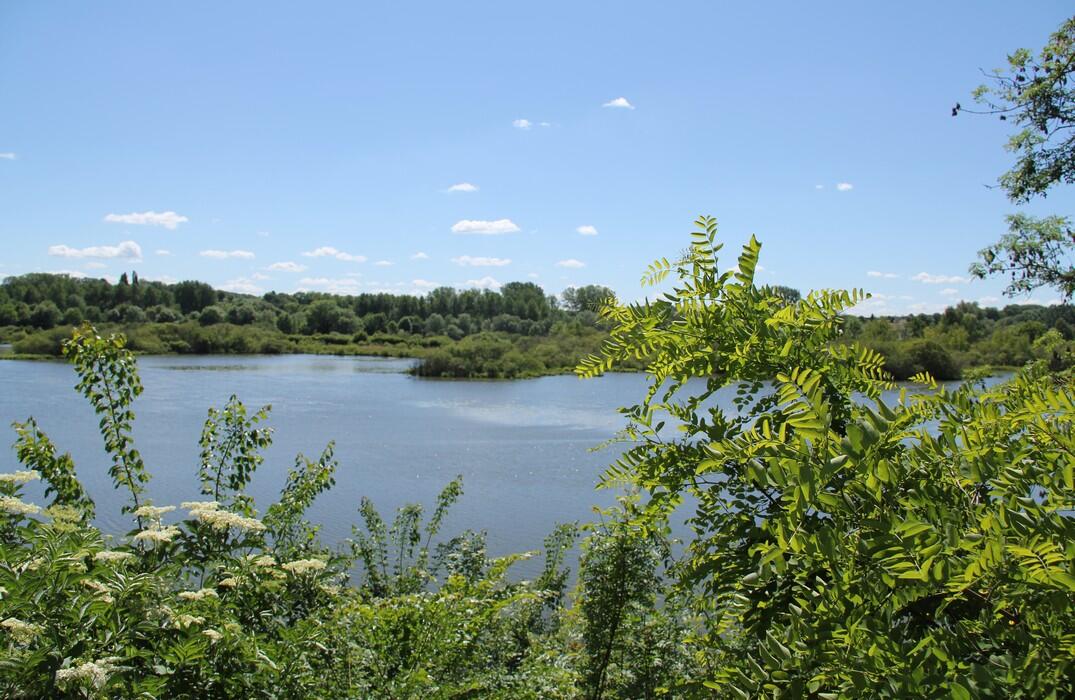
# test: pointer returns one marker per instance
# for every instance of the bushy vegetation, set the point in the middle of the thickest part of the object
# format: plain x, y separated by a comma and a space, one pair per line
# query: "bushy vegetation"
841, 546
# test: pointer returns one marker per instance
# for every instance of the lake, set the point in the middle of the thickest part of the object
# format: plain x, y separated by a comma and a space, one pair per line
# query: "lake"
524, 447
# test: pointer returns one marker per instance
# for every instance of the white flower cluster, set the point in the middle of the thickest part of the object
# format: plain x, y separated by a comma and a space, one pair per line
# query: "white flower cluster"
188, 620
301, 566
158, 535
21, 631
153, 512
197, 595
262, 562
10, 504
20, 477
209, 513
230, 582
111, 556
95, 672
213, 635
102, 590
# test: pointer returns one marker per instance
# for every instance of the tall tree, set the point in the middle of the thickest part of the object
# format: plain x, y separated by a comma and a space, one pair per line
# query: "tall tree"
1037, 94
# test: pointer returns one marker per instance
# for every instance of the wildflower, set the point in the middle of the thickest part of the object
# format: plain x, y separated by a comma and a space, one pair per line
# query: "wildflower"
110, 555
263, 561
103, 591
188, 620
153, 512
158, 535
209, 513
301, 566
64, 514
10, 504
96, 672
20, 477
230, 582
213, 635
21, 631
197, 595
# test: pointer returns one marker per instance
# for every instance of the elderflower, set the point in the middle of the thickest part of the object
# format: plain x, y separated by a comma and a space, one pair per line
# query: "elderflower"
96, 672
210, 514
111, 556
301, 566
103, 591
158, 535
21, 631
188, 620
263, 562
10, 504
213, 635
197, 595
153, 512
230, 582
20, 477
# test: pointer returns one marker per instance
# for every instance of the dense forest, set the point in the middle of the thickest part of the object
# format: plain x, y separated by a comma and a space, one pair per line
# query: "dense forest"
515, 332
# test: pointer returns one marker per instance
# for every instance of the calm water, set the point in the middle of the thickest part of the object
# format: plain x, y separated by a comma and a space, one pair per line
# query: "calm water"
524, 447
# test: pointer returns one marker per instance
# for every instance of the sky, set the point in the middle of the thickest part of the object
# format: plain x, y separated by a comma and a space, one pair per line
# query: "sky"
352, 147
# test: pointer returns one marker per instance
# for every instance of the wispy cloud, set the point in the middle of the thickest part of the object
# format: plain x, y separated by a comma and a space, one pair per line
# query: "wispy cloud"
587, 230
619, 103
572, 263
225, 254
522, 123
94, 265
463, 187
533, 275
423, 284
485, 228
287, 266
819, 187
419, 256
333, 285
484, 283
7, 156
844, 186
949, 292
927, 278
168, 219
883, 275
468, 261
127, 250
241, 285
384, 263
162, 251
330, 252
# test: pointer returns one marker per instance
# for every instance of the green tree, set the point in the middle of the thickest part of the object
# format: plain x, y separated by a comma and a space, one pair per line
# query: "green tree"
844, 546
1037, 94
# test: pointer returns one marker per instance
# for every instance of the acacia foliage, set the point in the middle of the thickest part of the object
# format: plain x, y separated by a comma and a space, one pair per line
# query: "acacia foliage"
843, 546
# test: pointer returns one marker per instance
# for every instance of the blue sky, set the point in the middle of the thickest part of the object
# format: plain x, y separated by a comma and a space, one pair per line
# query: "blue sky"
283, 146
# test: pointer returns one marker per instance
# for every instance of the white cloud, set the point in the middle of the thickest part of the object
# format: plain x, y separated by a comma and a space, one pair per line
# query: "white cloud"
260, 276
167, 219
419, 256
225, 254
74, 274
241, 285
485, 228
7, 156
484, 283
844, 186
927, 278
162, 251
949, 292
533, 275
587, 230
468, 261
522, 123
423, 284
619, 103
384, 263
94, 265
333, 285
884, 275
989, 300
128, 250
819, 187
572, 263
463, 187
264, 234
287, 266
330, 252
